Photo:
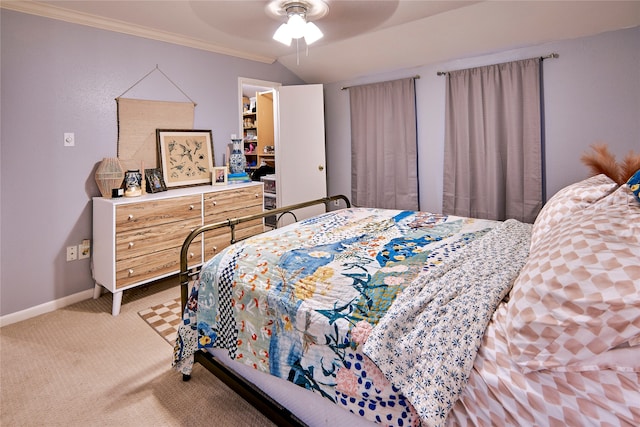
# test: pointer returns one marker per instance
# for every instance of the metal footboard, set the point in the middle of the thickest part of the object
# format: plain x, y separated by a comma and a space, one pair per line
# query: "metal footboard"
186, 273
280, 415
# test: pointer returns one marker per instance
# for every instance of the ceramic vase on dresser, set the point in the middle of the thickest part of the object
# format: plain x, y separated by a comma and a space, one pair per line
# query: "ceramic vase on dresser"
132, 183
237, 159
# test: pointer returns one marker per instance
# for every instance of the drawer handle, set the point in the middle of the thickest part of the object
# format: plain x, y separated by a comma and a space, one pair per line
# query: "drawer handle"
214, 203
130, 271
191, 255
130, 217
131, 244
215, 249
191, 207
257, 195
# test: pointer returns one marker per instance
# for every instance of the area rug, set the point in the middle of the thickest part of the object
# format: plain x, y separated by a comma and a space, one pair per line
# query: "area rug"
164, 319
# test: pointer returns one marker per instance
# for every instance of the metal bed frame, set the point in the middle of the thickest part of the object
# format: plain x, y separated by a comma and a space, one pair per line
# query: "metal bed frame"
247, 390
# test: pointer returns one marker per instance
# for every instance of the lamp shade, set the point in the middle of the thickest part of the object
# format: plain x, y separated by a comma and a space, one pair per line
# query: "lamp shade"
312, 33
296, 26
282, 35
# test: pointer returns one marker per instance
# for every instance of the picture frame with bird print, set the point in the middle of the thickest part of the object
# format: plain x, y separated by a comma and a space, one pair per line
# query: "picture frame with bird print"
185, 156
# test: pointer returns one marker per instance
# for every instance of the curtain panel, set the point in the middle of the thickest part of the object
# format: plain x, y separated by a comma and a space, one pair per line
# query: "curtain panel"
493, 142
384, 152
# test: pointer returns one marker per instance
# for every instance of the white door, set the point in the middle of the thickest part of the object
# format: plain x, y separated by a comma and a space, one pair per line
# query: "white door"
300, 148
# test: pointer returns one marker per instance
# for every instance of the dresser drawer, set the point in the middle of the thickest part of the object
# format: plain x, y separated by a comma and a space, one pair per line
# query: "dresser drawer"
143, 241
219, 204
216, 240
133, 270
221, 214
157, 212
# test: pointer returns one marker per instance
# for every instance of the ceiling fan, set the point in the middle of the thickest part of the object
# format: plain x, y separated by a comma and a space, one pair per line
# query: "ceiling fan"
299, 15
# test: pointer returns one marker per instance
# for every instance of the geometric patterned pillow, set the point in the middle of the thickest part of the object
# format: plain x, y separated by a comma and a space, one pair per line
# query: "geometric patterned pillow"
578, 295
634, 184
573, 197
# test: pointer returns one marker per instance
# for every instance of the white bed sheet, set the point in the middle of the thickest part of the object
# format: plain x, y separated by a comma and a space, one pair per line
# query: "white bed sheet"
309, 407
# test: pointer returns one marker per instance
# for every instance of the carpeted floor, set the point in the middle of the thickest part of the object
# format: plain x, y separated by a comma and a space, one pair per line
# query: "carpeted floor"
81, 366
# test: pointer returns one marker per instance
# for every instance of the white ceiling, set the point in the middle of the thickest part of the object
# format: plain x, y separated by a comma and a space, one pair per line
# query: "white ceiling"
361, 37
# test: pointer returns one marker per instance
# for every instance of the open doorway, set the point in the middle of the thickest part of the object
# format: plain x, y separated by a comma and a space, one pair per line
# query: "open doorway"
297, 150
257, 101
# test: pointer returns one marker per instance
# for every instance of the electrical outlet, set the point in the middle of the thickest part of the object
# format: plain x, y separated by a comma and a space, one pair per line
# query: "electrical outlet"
72, 253
85, 249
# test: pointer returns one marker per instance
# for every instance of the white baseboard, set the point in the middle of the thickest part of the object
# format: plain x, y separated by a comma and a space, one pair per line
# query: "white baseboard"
47, 307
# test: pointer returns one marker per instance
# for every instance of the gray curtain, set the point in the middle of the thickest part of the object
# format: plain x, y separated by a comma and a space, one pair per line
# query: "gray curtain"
493, 142
384, 151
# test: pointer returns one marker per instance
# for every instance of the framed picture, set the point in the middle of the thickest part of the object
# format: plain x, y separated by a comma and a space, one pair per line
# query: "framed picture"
155, 181
219, 175
186, 156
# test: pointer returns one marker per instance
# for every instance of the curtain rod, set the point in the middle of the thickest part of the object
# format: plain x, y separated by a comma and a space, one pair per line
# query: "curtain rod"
348, 87
542, 58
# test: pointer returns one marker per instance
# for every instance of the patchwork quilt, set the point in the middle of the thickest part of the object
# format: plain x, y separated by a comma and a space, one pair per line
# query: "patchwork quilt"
307, 303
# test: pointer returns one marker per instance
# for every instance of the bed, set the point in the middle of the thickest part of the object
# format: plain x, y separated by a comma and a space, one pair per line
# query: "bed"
414, 318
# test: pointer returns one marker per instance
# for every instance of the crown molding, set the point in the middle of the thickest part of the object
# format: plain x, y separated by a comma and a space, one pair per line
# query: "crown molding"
114, 25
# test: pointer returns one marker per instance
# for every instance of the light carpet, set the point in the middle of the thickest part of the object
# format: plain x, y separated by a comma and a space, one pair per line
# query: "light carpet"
80, 366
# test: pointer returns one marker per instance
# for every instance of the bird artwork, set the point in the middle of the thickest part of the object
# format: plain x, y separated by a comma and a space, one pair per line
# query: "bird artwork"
188, 157
186, 152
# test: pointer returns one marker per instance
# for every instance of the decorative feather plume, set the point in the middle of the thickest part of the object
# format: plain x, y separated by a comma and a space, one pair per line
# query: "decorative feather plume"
630, 165
602, 161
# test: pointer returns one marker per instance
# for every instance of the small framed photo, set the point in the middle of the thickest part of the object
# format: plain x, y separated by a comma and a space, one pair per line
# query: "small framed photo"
219, 175
186, 156
154, 180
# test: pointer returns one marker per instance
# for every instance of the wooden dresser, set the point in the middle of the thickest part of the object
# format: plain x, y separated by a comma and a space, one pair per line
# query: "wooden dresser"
137, 240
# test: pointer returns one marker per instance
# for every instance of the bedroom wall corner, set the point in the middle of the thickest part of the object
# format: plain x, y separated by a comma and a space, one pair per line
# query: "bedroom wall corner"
60, 77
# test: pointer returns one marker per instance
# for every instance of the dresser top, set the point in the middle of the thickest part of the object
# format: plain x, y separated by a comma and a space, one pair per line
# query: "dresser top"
177, 192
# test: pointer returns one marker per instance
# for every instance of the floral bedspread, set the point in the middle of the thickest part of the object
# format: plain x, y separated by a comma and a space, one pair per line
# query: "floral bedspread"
428, 341
299, 302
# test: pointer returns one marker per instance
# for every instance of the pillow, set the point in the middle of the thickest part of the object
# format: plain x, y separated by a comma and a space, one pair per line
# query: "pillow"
634, 184
573, 197
622, 358
578, 294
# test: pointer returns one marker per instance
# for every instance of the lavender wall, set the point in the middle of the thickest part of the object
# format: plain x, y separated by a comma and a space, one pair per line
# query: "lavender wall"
592, 94
59, 77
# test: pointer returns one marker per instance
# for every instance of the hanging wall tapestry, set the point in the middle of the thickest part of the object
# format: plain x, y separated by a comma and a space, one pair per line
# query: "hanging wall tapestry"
137, 123
138, 120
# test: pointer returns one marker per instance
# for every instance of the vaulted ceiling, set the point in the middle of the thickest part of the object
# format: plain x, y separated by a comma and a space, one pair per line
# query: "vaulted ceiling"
361, 37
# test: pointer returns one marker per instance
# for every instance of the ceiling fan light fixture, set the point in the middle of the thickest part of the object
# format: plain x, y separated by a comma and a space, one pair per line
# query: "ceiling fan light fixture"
297, 25
282, 35
312, 33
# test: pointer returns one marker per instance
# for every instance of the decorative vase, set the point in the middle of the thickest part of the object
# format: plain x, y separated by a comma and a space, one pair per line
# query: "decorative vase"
109, 175
237, 160
132, 183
